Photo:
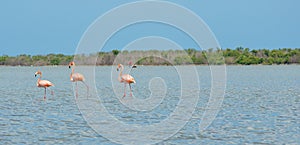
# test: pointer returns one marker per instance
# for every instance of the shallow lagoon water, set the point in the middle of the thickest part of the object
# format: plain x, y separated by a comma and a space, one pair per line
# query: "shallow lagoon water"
261, 105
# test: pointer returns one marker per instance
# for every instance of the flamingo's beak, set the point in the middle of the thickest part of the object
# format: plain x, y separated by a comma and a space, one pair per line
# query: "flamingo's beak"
69, 66
34, 75
117, 69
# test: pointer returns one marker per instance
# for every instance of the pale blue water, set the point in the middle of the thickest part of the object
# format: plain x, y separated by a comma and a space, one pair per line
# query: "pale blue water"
261, 106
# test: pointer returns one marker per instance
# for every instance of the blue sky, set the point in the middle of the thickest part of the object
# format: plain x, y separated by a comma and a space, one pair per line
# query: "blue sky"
55, 26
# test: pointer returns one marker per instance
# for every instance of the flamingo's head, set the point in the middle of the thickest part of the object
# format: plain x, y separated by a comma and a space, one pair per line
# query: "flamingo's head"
72, 63
37, 73
119, 67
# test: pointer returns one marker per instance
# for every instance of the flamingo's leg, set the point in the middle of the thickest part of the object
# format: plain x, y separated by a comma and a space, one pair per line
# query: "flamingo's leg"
51, 91
130, 90
124, 90
76, 90
87, 88
45, 94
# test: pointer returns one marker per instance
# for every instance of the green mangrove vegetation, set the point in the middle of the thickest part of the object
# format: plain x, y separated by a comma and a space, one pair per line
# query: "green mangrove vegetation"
238, 56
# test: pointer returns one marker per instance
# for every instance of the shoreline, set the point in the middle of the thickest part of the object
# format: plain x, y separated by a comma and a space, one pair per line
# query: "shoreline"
294, 64
191, 56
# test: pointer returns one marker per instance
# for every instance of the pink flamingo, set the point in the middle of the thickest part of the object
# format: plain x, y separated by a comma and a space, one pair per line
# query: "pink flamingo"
125, 78
75, 77
131, 66
42, 83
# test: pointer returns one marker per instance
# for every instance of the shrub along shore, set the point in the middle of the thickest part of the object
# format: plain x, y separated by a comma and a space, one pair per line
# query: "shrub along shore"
238, 56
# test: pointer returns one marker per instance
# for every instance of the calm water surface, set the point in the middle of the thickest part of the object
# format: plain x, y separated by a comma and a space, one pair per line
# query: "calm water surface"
261, 106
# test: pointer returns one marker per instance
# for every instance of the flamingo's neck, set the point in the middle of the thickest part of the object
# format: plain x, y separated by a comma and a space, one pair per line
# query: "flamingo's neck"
72, 74
38, 80
121, 71
72, 70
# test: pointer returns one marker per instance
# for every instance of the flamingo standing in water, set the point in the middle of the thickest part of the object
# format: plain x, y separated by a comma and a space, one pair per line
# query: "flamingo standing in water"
75, 77
42, 83
125, 78
131, 66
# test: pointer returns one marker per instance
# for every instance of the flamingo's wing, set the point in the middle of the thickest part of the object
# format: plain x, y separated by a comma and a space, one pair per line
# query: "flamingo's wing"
77, 77
45, 83
128, 78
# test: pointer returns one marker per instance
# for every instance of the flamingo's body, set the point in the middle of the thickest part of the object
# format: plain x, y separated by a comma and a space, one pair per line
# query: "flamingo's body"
75, 77
125, 78
42, 83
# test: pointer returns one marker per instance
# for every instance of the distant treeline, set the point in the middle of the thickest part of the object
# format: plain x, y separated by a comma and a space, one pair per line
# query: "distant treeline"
240, 55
